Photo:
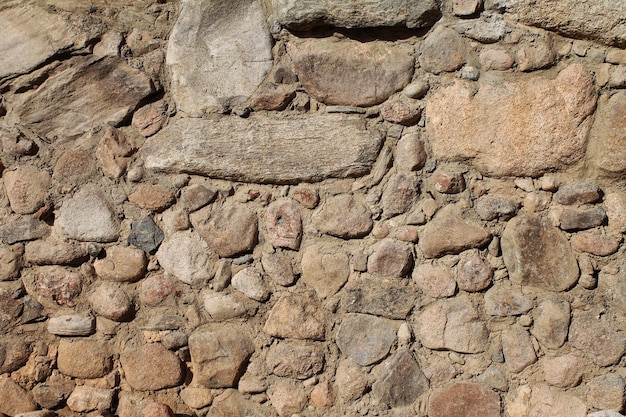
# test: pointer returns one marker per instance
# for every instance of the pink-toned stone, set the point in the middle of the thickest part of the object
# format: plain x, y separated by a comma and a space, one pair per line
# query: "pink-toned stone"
149, 119
151, 367
113, 152
155, 289
229, 231
54, 285
297, 316
390, 258
157, 410
495, 59
287, 398
402, 110
74, 166
272, 97
154, 197
346, 216
112, 302
473, 273
407, 234
448, 182
283, 224
464, 399
596, 243
196, 196
305, 195
410, 153
125, 264
323, 395
501, 128
327, 68
26, 189
435, 281
563, 371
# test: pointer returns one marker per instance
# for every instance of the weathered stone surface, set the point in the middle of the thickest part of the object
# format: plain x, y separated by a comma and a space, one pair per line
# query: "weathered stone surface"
579, 219
157, 410
346, 216
229, 231
196, 397
86, 359
22, 229
401, 381
14, 353
342, 13
53, 252
400, 193
504, 299
615, 204
540, 54
145, 235
283, 224
402, 110
386, 297
537, 254
156, 289
460, 234
87, 217
599, 337
542, 400
517, 348
327, 70
325, 268
448, 182
85, 398
250, 282
74, 167
26, 189
233, 404
435, 281
563, 371
154, 197
453, 324
606, 146
287, 398
113, 152
30, 36
13, 398
112, 302
351, 380
607, 392
596, 243
365, 339
151, 367
50, 396
72, 325
224, 306
53, 285
306, 195
123, 264
297, 316
85, 92
196, 196
265, 150
410, 153
580, 192
501, 128
494, 206
390, 258
186, 256
464, 399
443, 51
551, 322
473, 273
278, 267
323, 395
149, 119
295, 359
597, 21
495, 59
10, 262
214, 64
219, 356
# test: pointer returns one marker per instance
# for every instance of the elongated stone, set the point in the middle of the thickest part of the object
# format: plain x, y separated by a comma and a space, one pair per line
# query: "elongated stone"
72, 325
265, 150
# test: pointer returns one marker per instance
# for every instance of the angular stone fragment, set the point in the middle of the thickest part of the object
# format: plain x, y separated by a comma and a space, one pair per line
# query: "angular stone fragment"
87, 359
506, 300
341, 13
72, 325
149, 119
53, 285
607, 392
599, 337
453, 324
551, 322
443, 51
563, 371
283, 225
287, 398
295, 360
85, 92
607, 151
278, 267
448, 182
350, 73
151, 367
517, 348
113, 152
501, 128
579, 219
464, 399
145, 234
400, 193
346, 216
325, 268
224, 306
52, 252
251, 283
214, 64
50, 396
219, 356
460, 234
13, 398
10, 262
390, 258
401, 381
123, 264
410, 153
233, 404
154, 197
473, 273
305, 195
186, 256
351, 380
229, 231
297, 316
435, 281
265, 150
87, 217
538, 254
390, 298
365, 339
26, 189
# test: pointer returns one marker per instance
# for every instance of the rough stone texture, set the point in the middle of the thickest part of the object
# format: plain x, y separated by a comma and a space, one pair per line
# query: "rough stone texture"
72, 325
325, 268
537, 254
13, 398
185, 256
278, 267
151, 367
87, 217
386, 297
390, 258
598, 21
401, 381
155, 289
153, 197
342, 13
345, 216
410, 153
288, 398
22, 229
473, 273
265, 150
442, 51
365, 339
112, 302
351, 380
607, 392
435, 281
551, 322
53, 252
464, 399
283, 225
85, 398
500, 129
214, 64
26, 189
251, 283
453, 324
563, 371
84, 93
219, 356
496, 59
401, 110
224, 306
121, 264
579, 192
53, 285
577, 219
86, 359
542, 400
494, 206
596, 243
598, 338
517, 348
504, 299
145, 235
229, 231
295, 360
606, 147
297, 316
325, 69
460, 234
114, 152
233, 404
400, 193
14, 353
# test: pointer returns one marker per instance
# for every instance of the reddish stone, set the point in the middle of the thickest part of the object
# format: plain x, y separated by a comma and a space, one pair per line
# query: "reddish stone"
152, 367
74, 166
229, 231
449, 182
157, 410
323, 395
58, 284
464, 400
390, 259
113, 152
196, 196
283, 225
305, 195
596, 243
401, 110
152, 197
149, 120
155, 289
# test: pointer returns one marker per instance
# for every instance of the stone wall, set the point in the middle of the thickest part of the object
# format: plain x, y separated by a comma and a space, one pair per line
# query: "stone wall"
312, 208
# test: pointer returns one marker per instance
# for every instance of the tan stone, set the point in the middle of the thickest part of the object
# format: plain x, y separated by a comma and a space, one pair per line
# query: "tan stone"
151, 367
74, 166
596, 243
517, 348
152, 197
464, 399
13, 398
121, 264
563, 371
87, 359
297, 316
346, 216
606, 145
287, 398
229, 230
589, 328
283, 224
26, 189
435, 281
325, 268
443, 50
113, 152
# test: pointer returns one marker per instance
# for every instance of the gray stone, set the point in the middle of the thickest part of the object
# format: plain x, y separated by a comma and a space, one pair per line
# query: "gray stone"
278, 267
219, 356
84, 92
492, 207
325, 268
297, 360
151, 367
460, 234
145, 234
504, 299
386, 297
230, 230
598, 336
186, 256
400, 193
87, 217
351, 73
51, 395
443, 50
250, 282
453, 324
346, 216
265, 149
501, 128
365, 339
214, 64
22, 229
551, 322
606, 148
579, 219
401, 381
297, 316
538, 254
517, 348
72, 325
300, 15
579, 192
390, 258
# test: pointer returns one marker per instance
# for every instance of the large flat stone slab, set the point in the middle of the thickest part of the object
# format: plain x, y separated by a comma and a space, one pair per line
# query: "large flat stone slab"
264, 150
305, 14
521, 127
218, 54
